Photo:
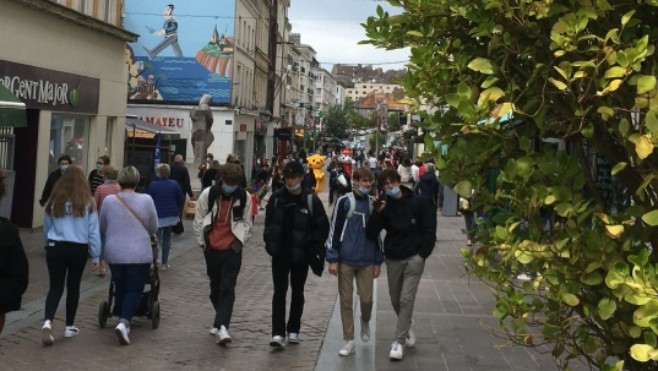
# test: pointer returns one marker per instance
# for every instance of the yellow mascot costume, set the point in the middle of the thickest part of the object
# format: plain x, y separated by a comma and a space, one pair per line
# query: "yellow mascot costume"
316, 162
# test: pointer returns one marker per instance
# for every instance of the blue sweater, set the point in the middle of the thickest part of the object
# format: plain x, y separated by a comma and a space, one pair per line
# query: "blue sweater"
167, 196
69, 228
347, 242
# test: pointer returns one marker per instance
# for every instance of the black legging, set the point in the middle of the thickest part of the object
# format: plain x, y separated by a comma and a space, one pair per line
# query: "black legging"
62, 258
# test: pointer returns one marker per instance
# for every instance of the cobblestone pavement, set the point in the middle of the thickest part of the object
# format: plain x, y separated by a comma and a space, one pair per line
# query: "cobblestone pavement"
182, 341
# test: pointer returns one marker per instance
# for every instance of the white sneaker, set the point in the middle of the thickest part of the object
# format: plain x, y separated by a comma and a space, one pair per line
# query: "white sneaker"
71, 331
411, 336
122, 332
396, 351
277, 342
347, 349
47, 337
293, 338
214, 331
223, 337
365, 331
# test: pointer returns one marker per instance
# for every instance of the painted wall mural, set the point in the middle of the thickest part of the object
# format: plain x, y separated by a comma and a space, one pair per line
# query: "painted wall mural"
184, 50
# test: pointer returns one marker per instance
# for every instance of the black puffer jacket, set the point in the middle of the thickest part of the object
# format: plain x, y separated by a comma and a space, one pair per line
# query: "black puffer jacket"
309, 228
13, 268
410, 225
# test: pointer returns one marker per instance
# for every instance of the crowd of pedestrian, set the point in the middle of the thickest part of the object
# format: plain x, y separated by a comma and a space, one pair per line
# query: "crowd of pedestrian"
102, 216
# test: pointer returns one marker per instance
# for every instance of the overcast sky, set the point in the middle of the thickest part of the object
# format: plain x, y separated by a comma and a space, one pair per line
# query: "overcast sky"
333, 29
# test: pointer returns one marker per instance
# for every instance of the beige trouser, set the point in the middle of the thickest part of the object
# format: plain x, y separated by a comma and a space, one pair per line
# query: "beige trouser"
403, 279
364, 284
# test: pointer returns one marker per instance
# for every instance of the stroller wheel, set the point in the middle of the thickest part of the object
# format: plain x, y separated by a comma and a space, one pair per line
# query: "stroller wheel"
155, 314
103, 314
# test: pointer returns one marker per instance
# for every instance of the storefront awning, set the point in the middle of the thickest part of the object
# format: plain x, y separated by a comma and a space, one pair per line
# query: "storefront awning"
12, 109
135, 123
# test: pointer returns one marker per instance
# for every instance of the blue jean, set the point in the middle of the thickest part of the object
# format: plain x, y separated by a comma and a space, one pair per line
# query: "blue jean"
129, 281
164, 236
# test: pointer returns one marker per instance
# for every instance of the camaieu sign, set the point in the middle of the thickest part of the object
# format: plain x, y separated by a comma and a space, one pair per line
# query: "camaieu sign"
41, 88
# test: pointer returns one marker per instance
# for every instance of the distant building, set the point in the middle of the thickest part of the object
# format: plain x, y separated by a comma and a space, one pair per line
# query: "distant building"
362, 89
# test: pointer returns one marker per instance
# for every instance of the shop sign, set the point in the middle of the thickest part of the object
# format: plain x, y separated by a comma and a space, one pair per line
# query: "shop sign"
41, 88
171, 122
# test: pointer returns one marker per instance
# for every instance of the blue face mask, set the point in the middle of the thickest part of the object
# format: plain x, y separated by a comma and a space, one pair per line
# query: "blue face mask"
393, 192
63, 168
364, 190
228, 189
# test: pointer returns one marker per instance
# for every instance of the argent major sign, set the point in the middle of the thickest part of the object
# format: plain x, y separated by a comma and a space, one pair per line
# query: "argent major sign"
41, 88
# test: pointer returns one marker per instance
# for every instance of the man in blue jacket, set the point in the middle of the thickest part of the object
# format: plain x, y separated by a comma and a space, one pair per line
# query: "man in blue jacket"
351, 255
410, 224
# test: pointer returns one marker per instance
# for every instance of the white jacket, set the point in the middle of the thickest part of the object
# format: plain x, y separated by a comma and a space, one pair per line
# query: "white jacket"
240, 228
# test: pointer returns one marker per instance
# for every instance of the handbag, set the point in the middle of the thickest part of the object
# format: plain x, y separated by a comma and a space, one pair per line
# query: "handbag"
154, 239
178, 228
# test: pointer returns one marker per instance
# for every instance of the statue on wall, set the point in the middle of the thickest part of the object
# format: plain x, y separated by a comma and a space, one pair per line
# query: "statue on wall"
202, 121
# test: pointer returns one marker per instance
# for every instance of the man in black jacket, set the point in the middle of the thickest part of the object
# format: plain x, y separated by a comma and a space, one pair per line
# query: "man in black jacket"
63, 163
296, 227
410, 225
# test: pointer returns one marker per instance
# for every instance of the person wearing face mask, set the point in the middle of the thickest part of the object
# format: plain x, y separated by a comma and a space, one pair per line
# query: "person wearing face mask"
63, 162
352, 256
222, 225
410, 224
296, 227
205, 165
96, 176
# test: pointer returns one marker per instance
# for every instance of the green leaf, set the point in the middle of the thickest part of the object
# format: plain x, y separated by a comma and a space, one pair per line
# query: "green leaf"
651, 218
618, 167
488, 82
453, 99
463, 188
615, 72
481, 65
643, 353
570, 299
490, 95
627, 17
415, 33
624, 126
646, 83
607, 308
588, 130
558, 84
652, 121
464, 90
591, 279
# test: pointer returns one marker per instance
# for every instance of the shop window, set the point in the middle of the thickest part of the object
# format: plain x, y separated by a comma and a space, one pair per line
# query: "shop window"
6, 148
69, 135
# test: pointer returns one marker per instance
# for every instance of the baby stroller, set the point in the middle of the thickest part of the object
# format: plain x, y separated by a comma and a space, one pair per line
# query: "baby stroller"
148, 305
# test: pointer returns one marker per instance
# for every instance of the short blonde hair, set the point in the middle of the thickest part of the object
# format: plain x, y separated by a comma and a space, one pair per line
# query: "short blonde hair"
163, 170
128, 177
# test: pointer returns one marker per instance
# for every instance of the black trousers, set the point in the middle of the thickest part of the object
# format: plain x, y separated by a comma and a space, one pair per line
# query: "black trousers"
283, 268
66, 263
223, 268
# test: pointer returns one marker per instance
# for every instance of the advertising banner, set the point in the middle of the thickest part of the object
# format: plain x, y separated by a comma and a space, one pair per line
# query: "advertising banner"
185, 50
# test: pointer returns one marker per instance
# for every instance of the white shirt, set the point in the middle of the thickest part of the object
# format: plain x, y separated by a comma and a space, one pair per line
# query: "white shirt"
372, 162
414, 173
